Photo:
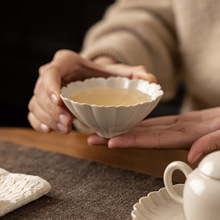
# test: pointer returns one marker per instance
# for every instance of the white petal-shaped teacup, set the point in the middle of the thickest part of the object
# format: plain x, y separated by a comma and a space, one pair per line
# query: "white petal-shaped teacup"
110, 121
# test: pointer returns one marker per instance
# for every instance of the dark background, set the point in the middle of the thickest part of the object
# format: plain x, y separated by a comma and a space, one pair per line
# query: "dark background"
31, 32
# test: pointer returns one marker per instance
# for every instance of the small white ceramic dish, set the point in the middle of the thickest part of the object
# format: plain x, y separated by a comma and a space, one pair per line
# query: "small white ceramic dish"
110, 121
159, 206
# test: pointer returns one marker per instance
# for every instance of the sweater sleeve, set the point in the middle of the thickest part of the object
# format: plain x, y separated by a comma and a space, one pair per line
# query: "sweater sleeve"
138, 32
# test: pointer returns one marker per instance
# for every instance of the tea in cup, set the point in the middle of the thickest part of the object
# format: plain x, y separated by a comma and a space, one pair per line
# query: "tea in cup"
111, 106
110, 96
201, 193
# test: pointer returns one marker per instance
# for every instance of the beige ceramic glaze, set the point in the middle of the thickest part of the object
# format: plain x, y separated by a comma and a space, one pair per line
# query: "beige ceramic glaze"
110, 121
201, 194
159, 206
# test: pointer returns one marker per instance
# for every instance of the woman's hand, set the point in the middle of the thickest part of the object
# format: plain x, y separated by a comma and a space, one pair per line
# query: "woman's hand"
198, 130
47, 111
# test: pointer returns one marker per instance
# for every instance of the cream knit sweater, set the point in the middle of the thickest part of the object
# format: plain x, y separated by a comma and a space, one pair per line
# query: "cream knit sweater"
175, 40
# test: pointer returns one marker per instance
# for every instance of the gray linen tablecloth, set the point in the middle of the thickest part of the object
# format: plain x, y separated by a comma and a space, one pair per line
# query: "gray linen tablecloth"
81, 189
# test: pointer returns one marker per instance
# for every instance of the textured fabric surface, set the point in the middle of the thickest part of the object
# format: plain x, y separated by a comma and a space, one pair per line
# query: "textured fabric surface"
18, 189
81, 189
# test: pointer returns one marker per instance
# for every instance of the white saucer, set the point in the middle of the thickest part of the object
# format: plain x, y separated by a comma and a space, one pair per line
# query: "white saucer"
159, 206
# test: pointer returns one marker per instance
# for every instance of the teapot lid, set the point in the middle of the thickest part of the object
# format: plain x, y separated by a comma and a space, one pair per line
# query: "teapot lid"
210, 165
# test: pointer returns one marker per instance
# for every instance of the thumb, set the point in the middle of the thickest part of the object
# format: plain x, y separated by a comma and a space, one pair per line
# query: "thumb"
204, 145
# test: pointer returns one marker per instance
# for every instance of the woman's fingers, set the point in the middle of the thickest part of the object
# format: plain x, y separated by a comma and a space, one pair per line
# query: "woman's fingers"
159, 139
179, 131
204, 145
58, 120
96, 140
37, 124
165, 120
46, 105
49, 83
137, 72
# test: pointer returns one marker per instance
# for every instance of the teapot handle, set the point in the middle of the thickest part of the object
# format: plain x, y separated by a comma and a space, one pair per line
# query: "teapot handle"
176, 165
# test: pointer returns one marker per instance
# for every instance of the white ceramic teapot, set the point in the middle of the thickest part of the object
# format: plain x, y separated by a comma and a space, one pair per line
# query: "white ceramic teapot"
201, 193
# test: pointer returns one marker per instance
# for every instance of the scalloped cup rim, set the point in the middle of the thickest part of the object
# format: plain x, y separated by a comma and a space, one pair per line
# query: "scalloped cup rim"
160, 92
109, 106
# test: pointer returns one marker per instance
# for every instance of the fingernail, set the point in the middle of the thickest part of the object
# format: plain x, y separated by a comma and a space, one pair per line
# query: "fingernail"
196, 157
54, 98
62, 128
110, 145
44, 128
88, 142
64, 119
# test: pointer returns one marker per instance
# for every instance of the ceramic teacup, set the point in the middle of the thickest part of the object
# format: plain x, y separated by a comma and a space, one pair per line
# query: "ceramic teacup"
106, 115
